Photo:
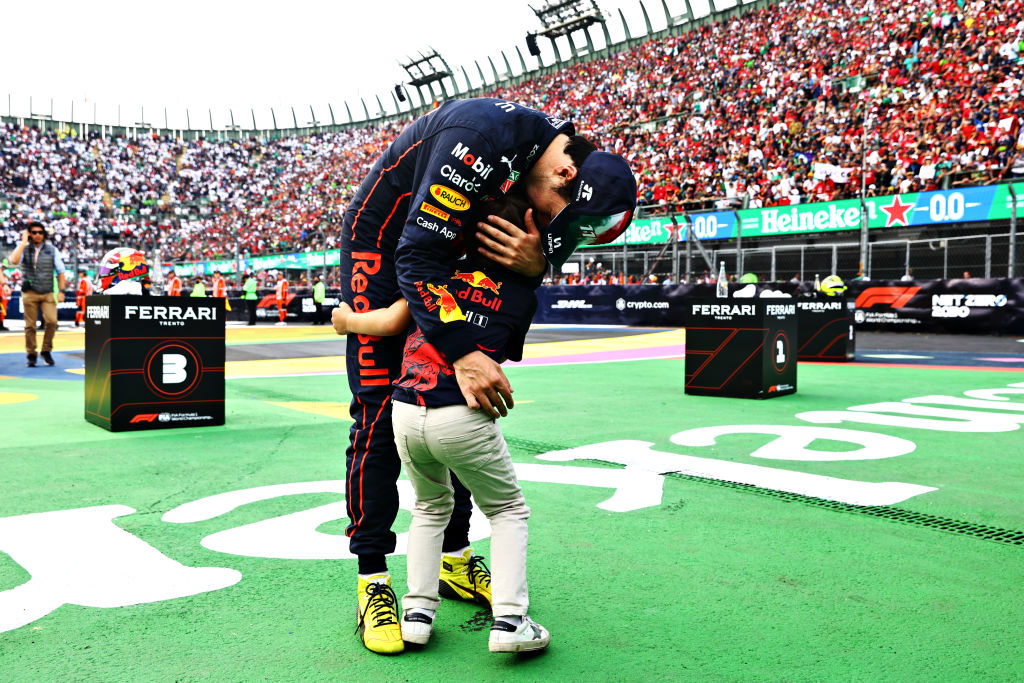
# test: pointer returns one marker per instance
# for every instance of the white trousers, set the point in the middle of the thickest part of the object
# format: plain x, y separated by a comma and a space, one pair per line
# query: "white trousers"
431, 441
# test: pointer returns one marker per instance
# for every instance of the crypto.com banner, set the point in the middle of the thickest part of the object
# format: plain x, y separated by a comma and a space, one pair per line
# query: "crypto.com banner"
644, 305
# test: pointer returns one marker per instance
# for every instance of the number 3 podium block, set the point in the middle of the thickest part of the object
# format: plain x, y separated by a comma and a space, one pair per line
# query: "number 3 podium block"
154, 362
742, 348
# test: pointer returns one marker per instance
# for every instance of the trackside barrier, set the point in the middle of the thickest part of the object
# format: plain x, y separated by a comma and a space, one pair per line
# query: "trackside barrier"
967, 306
960, 306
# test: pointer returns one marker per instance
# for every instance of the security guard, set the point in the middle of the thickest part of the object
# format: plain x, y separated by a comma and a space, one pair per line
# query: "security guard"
319, 294
249, 286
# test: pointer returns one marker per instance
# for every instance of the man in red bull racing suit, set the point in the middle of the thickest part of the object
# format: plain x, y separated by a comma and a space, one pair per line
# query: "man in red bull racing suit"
401, 232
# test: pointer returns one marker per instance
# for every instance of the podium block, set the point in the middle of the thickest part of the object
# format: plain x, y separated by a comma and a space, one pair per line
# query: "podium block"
154, 362
742, 348
826, 329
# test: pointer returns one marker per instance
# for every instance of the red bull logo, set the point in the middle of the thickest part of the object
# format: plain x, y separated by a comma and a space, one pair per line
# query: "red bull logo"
136, 272
478, 297
479, 280
450, 310
132, 260
422, 364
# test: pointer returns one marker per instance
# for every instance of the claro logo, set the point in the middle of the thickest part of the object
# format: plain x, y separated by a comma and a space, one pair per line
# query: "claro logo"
449, 197
894, 297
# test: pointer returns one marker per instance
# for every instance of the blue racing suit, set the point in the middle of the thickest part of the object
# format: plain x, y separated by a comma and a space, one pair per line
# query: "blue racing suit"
496, 300
401, 233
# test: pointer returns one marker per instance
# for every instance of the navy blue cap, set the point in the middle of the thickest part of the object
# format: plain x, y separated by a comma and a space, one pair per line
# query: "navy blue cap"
602, 207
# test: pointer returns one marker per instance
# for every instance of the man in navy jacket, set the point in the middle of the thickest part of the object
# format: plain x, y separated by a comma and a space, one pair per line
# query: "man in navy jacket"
401, 232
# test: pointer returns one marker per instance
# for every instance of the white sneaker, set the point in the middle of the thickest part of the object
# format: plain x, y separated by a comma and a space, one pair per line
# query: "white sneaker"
279, 324
416, 627
530, 635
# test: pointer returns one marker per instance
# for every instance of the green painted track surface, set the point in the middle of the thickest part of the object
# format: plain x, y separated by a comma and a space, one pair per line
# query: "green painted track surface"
713, 581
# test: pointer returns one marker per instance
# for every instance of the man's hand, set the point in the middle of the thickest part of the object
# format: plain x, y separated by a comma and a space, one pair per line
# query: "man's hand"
508, 245
483, 384
339, 317
24, 237
60, 297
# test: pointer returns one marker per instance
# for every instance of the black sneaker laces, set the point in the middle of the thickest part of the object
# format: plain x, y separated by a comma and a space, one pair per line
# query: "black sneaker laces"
382, 604
479, 574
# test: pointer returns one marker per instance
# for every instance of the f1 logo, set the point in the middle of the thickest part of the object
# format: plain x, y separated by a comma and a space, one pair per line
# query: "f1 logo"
895, 297
174, 368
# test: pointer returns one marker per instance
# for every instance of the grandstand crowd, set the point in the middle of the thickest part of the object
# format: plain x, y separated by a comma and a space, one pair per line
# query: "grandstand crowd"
777, 106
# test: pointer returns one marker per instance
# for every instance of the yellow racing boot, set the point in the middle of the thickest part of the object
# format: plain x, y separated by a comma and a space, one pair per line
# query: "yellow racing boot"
377, 616
465, 577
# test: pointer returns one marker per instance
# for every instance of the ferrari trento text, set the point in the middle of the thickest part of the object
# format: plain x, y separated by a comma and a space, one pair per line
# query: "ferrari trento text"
723, 309
169, 313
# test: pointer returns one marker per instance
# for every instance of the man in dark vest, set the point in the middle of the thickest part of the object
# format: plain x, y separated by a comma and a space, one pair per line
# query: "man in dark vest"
38, 264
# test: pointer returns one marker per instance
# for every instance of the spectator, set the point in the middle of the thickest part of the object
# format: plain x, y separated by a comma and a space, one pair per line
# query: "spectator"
41, 268
926, 95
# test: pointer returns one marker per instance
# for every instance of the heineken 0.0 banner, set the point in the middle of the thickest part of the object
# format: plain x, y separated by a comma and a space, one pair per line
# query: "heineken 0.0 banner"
964, 205
296, 261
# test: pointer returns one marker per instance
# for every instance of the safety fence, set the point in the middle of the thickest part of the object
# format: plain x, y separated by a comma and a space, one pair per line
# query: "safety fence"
940, 257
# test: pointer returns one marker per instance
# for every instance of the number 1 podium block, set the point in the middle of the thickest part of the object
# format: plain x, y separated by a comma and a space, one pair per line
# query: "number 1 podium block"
154, 362
741, 348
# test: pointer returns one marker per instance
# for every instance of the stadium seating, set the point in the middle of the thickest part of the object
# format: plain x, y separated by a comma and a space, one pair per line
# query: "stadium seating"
769, 108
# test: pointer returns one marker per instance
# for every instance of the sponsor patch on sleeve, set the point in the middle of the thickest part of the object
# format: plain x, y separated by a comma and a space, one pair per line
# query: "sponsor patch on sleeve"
449, 198
434, 211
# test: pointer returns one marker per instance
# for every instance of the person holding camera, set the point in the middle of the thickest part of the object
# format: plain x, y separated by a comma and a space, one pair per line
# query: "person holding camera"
38, 267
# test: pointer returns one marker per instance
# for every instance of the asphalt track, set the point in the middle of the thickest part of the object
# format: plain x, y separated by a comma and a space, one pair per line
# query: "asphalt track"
673, 537
887, 348
872, 347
